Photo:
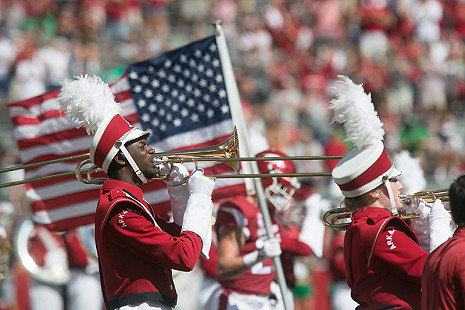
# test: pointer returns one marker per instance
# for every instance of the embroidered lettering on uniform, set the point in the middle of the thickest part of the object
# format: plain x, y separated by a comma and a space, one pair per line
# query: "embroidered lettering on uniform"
389, 239
121, 218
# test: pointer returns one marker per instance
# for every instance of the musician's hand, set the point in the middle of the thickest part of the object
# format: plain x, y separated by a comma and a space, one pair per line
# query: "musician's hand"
162, 168
440, 229
177, 175
200, 184
267, 248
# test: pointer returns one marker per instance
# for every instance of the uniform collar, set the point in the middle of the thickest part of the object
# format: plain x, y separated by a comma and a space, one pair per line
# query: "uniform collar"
373, 213
110, 184
460, 232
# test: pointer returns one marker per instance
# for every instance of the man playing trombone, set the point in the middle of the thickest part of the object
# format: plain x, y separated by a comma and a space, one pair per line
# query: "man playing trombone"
136, 248
383, 259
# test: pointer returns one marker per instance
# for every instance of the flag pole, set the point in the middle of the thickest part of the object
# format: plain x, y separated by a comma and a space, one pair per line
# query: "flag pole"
244, 146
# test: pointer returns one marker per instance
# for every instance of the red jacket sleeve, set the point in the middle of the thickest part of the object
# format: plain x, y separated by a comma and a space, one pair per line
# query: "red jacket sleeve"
401, 254
139, 236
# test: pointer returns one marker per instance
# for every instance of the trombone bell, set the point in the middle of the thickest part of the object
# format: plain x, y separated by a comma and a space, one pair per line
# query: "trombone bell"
228, 149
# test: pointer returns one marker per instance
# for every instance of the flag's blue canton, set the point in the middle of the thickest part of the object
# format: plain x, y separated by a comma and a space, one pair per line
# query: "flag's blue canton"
180, 91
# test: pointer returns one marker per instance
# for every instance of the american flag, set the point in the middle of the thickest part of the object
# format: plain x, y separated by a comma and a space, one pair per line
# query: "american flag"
180, 97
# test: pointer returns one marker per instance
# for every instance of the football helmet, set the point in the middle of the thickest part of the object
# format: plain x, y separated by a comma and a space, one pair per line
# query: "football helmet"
278, 190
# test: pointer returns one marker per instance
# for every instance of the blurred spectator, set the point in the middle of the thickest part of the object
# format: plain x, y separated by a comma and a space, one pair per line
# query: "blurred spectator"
30, 73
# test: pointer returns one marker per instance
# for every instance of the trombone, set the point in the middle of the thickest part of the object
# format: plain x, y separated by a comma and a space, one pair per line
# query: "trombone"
227, 151
339, 218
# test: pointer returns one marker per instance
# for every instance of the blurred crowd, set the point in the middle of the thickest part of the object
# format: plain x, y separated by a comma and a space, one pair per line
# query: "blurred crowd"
409, 54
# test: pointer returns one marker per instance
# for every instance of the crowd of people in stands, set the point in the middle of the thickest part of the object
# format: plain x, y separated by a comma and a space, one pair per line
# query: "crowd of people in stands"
286, 55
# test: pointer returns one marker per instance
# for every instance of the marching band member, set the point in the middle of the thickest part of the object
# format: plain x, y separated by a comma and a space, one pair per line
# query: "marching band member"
244, 257
443, 284
136, 248
383, 260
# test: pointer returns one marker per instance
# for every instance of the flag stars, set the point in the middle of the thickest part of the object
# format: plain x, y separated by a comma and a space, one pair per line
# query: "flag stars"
209, 73
177, 68
192, 63
148, 93
137, 89
145, 117
210, 113
203, 83
155, 122
152, 108
183, 58
175, 107
212, 88
197, 93
197, 53
151, 69
162, 112
162, 127
132, 75
159, 98
212, 48
141, 103
206, 98
180, 83
224, 109
144, 79
206, 58
201, 68
182, 98
186, 73
218, 78
222, 93
174, 93
177, 122
190, 103
215, 63
168, 63
171, 78
201, 107
168, 102
184, 112
162, 74
165, 88
155, 83
169, 117
195, 118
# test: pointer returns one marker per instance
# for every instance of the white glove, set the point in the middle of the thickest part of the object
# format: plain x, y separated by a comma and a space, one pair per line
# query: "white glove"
178, 191
177, 175
421, 225
313, 230
440, 229
197, 217
162, 168
265, 249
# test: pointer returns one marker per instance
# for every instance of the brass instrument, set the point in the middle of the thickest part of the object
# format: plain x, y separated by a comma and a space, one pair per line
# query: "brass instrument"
55, 273
339, 218
227, 152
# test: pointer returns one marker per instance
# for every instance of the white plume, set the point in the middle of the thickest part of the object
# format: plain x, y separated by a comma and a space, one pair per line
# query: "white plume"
87, 100
412, 177
355, 111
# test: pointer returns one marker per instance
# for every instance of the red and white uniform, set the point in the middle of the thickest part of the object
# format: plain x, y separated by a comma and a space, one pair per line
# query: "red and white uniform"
238, 212
291, 247
383, 261
137, 249
443, 281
